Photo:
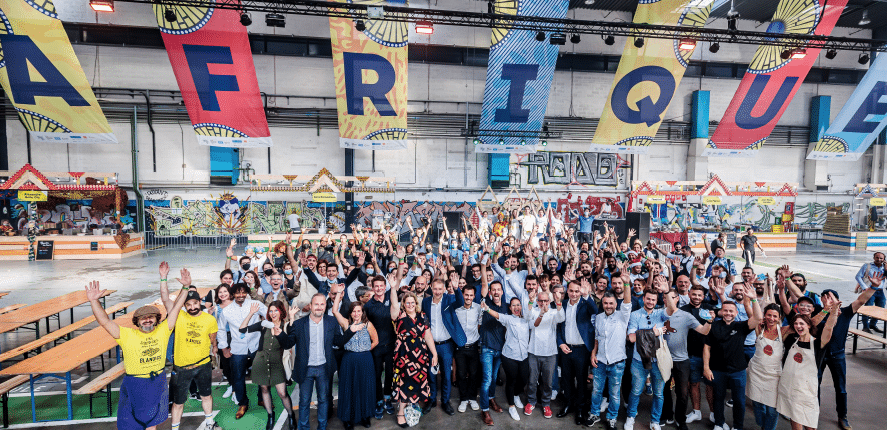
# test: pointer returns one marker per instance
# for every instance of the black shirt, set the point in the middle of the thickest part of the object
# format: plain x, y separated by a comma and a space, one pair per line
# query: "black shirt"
727, 343
748, 242
696, 341
380, 315
492, 332
835, 346
790, 341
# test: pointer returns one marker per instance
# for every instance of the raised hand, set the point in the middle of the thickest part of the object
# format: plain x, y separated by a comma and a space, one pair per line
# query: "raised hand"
254, 308
93, 291
289, 237
632, 232
164, 270
877, 279
293, 311
276, 330
185, 278
584, 286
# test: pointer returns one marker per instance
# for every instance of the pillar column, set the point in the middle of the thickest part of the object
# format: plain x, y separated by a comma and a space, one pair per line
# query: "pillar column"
815, 171
697, 165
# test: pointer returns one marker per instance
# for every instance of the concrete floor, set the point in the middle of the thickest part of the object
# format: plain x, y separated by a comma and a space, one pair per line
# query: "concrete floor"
136, 279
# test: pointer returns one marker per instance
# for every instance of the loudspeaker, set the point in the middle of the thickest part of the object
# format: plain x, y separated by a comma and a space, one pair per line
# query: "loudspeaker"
617, 224
454, 221
639, 221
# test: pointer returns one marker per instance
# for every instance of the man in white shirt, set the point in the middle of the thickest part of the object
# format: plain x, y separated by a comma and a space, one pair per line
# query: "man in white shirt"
543, 349
243, 346
608, 356
468, 356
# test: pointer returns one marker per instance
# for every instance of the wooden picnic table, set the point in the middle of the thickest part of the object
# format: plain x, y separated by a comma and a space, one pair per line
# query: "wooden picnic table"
45, 310
4, 294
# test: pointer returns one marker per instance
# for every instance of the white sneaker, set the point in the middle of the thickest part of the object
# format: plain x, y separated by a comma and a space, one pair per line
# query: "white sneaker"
234, 398
513, 412
629, 423
723, 427
209, 425
463, 406
604, 405
474, 405
612, 423
553, 394
711, 417
228, 392
655, 426
694, 416
517, 403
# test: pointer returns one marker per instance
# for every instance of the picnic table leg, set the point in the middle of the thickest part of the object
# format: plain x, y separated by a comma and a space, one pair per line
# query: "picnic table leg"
68, 389
33, 405
5, 410
72, 316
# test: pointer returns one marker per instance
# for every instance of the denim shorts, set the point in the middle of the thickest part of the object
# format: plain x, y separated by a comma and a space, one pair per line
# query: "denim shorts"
695, 370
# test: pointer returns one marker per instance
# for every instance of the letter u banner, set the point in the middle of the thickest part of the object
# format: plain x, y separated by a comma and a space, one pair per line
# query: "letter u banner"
43, 78
771, 81
370, 68
861, 119
519, 77
210, 55
647, 78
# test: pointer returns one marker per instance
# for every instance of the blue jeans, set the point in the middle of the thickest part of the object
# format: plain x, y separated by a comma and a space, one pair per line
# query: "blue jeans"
315, 378
604, 374
837, 365
749, 352
490, 359
239, 364
736, 382
445, 360
638, 382
765, 416
876, 299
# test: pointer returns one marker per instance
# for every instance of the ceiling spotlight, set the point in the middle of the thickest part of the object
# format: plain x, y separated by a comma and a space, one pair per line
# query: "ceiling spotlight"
687, 45
476, 141
359, 25
639, 42
558, 39
589, 2
102, 5
609, 40
831, 54
863, 58
275, 20
523, 142
540, 36
170, 15
785, 54
424, 27
798, 53
544, 143
714, 48
731, 24
575, 38
865, 18
245, 19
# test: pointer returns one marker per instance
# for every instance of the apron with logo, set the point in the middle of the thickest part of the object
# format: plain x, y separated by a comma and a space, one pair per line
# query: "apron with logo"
764, 369
799, 386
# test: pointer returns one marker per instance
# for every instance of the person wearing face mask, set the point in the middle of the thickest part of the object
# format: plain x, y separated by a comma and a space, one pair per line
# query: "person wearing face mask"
265, 277
290, 278
195, 344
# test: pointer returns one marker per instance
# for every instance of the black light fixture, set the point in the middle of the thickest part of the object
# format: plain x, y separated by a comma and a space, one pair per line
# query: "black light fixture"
731, 23
575, 39
558, 39
609, 40
359, 25
170, 15
245, 19
863, 58
540, 36
714, 48
275, 20
831, 54
639, 42
785, 54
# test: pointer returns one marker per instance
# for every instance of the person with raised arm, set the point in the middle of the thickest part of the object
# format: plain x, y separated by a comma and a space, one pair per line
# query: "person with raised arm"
357, 386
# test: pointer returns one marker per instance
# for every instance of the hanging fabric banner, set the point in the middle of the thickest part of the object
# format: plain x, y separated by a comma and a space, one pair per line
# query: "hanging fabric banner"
861, 119
519, 77
43, 78
771, 81
370, 69
647, 78
210, 55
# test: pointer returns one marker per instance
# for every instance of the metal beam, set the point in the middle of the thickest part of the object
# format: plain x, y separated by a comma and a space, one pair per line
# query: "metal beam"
533, 23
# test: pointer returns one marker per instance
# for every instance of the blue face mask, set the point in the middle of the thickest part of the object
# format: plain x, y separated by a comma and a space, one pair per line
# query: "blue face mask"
370, 271
288, 271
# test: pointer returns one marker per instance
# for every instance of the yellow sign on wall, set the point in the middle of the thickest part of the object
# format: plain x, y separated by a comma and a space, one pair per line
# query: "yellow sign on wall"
711, 200
32, 196
877, 201
766, 201
656, 199
323, 197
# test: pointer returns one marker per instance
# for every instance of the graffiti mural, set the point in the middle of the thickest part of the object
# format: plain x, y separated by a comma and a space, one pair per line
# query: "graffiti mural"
572, 168
683, 215
365, 213
600, 207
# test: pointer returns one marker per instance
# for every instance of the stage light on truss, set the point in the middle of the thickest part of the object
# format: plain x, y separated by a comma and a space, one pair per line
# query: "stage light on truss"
540, 36
170, 15
714, 48
102, 5
558, 39
501, 141
359, 25
245, 19
831, 54
275, 20
798, 53
544, 143
476, 141
687, 44
863, 58
865, 18
574, 39
639, 42
424, 27
785, 54
609, 40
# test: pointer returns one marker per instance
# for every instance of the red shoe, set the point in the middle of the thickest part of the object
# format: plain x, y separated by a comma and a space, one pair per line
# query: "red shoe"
528, 409
546, 411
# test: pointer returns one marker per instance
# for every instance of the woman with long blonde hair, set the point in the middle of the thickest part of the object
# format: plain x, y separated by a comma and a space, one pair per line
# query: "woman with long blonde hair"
411, 350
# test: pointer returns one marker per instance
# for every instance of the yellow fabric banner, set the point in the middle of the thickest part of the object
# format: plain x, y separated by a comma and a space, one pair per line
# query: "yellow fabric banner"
647, 77
43, 78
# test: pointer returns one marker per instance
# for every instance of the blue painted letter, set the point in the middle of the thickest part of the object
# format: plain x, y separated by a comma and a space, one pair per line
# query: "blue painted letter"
356, 90
519, 75
199, 57
18, 51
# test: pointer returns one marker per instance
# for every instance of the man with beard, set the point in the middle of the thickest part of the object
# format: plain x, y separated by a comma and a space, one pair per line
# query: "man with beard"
195, 344
609, 354
144, 393
863, 279
324, 285
704, 313
492, 336
242, 349
512, 278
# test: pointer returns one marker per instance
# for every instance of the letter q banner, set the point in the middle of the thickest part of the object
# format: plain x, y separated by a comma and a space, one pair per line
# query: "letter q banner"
370, 69
44, 80
210, 55
647, 78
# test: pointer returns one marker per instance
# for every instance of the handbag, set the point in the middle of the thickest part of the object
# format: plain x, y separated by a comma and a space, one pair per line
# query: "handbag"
663, 359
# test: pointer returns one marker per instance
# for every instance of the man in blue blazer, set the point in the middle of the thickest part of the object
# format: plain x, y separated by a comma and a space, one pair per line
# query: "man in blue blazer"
575, 340
439, 310
315, 363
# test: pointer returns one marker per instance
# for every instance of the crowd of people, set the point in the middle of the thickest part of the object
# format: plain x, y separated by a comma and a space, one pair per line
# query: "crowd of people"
576, 315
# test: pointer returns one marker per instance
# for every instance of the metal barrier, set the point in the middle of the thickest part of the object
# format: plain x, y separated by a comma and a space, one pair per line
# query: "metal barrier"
154, 242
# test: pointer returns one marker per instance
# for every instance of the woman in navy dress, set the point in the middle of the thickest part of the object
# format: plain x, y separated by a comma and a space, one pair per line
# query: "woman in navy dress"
357, 386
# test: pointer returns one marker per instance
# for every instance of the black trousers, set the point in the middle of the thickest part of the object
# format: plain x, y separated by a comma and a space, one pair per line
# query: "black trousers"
467, 371
574, 369
383, 360
516, 373
680, 374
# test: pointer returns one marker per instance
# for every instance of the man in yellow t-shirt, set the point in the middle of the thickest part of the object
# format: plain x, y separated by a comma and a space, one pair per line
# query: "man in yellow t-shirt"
195, 344
143, 395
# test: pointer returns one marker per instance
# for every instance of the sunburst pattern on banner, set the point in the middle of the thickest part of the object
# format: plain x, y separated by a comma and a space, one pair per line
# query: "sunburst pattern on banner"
791, 17
207, 129
188, 18
38, 122
831, 144
387, 33
500, 29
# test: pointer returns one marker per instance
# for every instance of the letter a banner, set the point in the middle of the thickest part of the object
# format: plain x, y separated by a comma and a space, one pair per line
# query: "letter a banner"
519, 77
43, 78
771, 81
370, 68
647, 78
210, 55
861, 119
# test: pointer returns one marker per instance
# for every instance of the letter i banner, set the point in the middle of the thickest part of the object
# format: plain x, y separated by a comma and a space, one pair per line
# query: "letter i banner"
43, 78
519, 77
861, 119
647, 78
370, 69
771, 81
210, 55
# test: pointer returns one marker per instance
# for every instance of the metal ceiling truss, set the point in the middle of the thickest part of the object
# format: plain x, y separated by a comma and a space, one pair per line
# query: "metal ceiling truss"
533, 23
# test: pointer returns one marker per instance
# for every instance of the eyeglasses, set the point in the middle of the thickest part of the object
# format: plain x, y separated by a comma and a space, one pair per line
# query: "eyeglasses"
544, 301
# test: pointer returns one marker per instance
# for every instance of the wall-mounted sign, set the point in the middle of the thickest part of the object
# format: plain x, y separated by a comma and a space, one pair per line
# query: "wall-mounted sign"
877, 201
32, 196
323, 197
766, 201
711, 200
656, 200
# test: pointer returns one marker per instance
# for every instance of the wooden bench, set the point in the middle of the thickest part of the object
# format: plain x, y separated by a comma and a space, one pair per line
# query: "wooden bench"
872, 337
102, 384
11, 308
7, 386
58, 334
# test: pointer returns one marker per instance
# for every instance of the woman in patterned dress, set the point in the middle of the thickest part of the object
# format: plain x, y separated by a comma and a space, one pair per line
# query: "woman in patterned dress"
357, 387
414, 342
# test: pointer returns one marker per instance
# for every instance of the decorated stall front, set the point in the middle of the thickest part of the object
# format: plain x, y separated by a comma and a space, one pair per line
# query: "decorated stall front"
864, 226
